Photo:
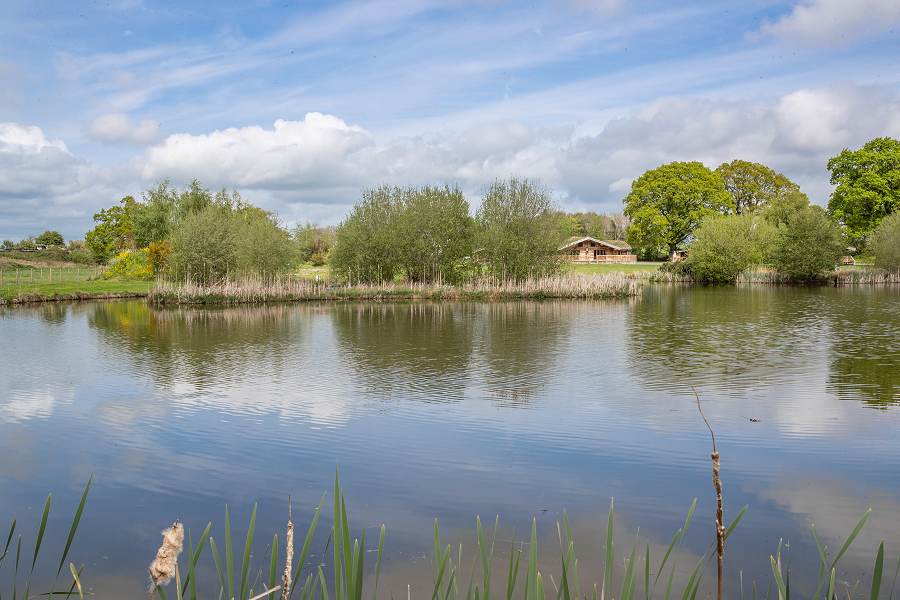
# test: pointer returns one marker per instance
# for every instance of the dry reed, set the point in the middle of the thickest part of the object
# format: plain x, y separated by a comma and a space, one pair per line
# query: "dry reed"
253, 291
720, 512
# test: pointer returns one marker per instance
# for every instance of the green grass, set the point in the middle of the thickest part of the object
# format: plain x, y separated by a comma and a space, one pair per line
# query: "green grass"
36, 281
595, 268
39, 291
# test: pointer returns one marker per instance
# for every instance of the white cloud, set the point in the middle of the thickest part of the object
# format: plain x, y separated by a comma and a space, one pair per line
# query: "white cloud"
293, 153
835, 22
117, 128
323, 158
43, 185
314, 168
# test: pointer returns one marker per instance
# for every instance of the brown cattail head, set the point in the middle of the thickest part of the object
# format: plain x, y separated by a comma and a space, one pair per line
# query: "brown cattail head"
288, 556
162, 569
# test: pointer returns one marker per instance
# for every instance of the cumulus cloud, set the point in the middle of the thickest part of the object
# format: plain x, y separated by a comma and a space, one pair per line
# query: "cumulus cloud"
43, 185
834, 22
314, 168
117, 128
326, 160
292, 153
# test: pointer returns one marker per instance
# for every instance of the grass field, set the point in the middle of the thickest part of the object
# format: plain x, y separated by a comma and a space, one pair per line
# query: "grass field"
19, 280
601, 268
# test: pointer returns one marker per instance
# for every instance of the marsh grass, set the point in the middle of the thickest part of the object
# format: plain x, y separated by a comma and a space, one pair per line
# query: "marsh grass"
254, 291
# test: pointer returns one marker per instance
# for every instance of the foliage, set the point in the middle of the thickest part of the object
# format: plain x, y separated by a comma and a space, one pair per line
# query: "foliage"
725, 245
885, 242
868, 186
8, 244
366, 242
154, 217
599, 226
204, 248
263, 247
781, 208
667, 203
752, 185
517, 230
130, 264
809, 244
158, 254
434, 234
113, 231
314, 241
50, 238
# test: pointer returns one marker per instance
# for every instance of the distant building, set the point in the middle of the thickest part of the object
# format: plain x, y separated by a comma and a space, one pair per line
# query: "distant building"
592, 250
678, 255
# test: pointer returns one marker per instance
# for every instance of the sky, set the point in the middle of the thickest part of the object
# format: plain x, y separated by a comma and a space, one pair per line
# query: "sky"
302, 105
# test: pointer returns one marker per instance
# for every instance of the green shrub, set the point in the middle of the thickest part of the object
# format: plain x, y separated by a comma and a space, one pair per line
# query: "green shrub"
725, 246
204, 249
366, 247
885, 243
130, 264
807, 245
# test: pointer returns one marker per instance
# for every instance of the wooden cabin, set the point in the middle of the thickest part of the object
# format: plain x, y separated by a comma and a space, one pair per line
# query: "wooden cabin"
592, 250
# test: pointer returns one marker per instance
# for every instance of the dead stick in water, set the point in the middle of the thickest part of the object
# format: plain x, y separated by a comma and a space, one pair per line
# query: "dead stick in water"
720, 513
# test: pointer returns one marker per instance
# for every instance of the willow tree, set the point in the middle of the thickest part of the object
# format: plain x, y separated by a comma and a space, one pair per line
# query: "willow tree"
518, 230
434, 233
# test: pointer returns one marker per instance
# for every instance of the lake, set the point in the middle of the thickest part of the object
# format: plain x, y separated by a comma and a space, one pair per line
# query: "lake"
453, 410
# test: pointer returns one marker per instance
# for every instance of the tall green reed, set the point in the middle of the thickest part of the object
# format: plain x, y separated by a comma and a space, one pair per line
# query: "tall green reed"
75, 587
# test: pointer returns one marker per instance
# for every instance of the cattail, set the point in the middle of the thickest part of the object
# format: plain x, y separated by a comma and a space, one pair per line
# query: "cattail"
163, 568
288, 556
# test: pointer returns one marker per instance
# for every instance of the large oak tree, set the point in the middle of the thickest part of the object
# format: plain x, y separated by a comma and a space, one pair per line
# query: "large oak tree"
667, 203
868, 186
753, 185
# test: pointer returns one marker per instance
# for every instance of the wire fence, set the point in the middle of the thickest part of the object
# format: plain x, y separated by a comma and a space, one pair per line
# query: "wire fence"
14, 275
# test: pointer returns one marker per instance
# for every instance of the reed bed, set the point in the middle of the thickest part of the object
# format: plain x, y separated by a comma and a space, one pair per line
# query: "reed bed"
256, 291
628, 569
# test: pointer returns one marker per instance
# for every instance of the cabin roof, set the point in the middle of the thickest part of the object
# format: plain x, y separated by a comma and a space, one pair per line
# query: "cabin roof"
614, 244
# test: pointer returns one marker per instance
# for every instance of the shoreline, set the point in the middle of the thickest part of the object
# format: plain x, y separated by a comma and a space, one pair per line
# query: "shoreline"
625, 285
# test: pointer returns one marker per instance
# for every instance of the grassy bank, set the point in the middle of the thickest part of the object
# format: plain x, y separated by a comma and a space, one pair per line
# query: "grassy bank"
603, 268
294, 290
43, 281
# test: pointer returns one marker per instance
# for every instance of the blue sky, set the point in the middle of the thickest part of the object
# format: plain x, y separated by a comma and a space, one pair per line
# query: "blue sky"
300, 105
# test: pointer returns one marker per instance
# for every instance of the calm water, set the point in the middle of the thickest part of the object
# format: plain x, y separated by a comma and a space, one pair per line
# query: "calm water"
453, 410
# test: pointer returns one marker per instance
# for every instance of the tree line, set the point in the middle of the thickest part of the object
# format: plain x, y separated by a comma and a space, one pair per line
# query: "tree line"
745, 214
740, 215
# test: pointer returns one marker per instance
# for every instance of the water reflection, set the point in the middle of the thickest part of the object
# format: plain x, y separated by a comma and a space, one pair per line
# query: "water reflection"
178, 412
866, 349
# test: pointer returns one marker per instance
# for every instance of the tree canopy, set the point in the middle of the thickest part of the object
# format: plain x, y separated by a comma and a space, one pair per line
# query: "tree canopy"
667, 203
868, 186
50, 238
518, 230
753, 185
